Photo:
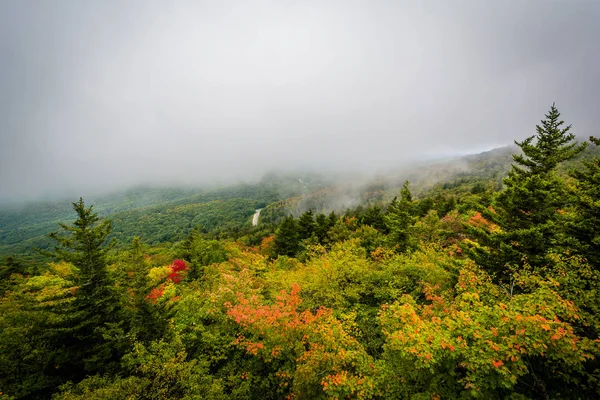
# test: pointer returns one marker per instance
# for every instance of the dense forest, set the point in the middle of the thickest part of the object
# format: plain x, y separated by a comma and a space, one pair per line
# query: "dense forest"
483, 285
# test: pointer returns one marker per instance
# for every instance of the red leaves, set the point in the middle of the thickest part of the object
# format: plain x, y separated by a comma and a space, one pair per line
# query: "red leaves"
178, 269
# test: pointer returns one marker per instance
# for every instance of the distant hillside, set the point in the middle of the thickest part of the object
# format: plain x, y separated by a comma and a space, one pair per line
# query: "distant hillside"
168, 214
150, 212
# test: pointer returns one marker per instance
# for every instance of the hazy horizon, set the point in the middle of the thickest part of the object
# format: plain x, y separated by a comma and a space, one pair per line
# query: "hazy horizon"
101, 96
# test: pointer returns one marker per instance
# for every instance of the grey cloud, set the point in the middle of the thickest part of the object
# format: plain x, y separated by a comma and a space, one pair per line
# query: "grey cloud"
101, 95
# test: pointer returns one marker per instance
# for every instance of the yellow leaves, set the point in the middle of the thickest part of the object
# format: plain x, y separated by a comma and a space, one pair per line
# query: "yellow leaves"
63, 269
490, 339
159, 274
49, 288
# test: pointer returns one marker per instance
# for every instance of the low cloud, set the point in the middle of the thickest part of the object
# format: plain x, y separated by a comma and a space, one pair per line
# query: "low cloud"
96, 96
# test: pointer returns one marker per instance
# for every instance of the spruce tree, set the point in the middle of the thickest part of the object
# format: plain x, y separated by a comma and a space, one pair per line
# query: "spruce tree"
585, 229
528, 210
399, 220
374, 218
96, 312
287, 240
306, 225
552, 144
321, 227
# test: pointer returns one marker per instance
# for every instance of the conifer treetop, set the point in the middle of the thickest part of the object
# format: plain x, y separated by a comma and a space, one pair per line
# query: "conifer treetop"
554, 143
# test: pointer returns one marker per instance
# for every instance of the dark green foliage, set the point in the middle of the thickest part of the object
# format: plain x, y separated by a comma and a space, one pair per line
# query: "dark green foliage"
287, 240
528, 210
156, 215
399, 220
553, 145
585, 228
321, 227
7, 269
373, 217
95, 314
160, 370
147, 321
306, 225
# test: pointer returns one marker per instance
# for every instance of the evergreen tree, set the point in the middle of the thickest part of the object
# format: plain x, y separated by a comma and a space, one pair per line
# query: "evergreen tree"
306, 225
321, 228
399, 220
201, 252
553, 145
148, 321
527, 211
585, 229
374, 218
332, 218
287, 239
96, 313
424, 206
10, 266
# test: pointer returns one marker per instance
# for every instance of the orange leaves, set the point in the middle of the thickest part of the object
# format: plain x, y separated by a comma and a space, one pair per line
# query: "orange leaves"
156, 293
313, 343
267, 246
478, 221
545, 327
489, 339
250, 313
253, 348
492, 345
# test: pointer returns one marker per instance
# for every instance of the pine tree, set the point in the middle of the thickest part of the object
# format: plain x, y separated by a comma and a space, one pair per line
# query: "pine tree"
527, 211
96, 312
399, 220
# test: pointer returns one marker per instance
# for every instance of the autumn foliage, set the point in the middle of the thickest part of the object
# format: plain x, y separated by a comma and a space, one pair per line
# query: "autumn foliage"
178, 269
316, 354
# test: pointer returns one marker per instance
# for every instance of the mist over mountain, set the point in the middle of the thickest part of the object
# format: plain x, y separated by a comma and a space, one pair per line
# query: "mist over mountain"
100, 96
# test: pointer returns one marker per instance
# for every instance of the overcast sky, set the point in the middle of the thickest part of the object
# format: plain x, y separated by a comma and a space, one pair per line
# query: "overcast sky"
98, 95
